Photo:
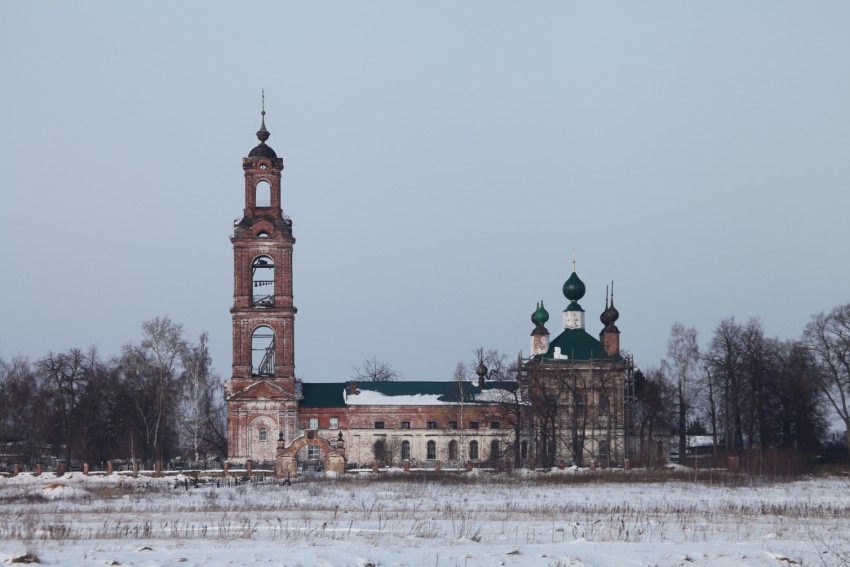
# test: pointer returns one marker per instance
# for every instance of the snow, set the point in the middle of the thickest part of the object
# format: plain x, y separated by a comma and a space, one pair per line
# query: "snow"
570, 517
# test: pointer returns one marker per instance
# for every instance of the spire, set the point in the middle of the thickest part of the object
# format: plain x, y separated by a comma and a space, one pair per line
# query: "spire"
262, 133
574, 260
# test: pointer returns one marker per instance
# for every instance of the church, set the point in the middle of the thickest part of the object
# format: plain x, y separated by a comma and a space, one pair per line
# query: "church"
567, 402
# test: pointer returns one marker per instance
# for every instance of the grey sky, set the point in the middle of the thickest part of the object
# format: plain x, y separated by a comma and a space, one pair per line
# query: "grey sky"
443, 160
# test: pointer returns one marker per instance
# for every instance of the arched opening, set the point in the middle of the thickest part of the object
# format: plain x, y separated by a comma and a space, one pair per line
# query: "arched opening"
494, 450
431, 450
262, 351
262, 234
452, 450
473, 450
380, 450
263, 194
405, 450
309, 458
262, 281
604, 404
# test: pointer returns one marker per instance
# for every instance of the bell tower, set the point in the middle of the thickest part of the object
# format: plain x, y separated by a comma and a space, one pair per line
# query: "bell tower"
262, 395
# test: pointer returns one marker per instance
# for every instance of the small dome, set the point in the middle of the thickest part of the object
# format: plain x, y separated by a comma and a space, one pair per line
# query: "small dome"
262, 150
574, 288
481, 370
540, 316
609, 315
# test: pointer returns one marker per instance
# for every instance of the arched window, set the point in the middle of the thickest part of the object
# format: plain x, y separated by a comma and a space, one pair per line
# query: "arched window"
473, 450
405, 450
380, 450
604, 404
263, 194
262, 281
494, 450
264, 435
262, 351
452, 450
262, 234
431, 450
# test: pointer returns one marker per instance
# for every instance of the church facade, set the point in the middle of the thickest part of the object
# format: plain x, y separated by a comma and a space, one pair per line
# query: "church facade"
566, 402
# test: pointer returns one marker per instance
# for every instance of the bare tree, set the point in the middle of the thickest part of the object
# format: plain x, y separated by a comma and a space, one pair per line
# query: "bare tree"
375, 370
828, 338
200, 396
151, 370
683, 359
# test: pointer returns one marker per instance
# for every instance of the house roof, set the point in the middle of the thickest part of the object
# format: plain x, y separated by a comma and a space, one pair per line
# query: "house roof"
575, 344
403, 393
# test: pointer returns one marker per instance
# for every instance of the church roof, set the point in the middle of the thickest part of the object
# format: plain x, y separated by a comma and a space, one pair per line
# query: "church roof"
575, 344
403, 393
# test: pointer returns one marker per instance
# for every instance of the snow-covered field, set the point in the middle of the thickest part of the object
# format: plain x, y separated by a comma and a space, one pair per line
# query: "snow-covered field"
479, 519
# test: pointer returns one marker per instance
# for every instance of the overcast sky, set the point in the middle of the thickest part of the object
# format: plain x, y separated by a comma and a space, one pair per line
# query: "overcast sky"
443, 160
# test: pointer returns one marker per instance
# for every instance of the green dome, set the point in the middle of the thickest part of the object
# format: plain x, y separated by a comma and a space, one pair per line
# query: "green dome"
574, 288
540, 316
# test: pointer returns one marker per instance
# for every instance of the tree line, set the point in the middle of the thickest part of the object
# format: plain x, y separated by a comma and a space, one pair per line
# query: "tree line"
750, 393
158, 400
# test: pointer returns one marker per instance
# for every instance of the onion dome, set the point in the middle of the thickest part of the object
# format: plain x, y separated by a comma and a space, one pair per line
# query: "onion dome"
540, 316
574, 288
610, 315
481, 371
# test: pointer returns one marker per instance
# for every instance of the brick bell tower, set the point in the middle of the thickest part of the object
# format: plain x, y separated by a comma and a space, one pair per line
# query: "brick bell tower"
262, 395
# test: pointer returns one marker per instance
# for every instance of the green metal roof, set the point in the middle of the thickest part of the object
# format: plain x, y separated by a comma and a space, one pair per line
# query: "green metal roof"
575, 344
327, 395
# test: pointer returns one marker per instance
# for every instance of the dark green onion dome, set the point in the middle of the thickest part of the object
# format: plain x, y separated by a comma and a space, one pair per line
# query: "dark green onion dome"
481, 370
540, 316
574, 288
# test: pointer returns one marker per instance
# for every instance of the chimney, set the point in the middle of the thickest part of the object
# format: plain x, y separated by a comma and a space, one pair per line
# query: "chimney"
352, 388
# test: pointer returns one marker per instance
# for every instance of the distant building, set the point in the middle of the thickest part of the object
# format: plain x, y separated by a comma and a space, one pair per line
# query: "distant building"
568, 402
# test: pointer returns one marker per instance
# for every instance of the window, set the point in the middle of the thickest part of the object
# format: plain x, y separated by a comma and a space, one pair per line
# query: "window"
452, 450
262, 281
313, 453
452, 425
473, 425
523, 450
405, 425
495, 425
379, 425
473, 450
380, 450
262, 351
264, 435
494, 450
334, 423
432, 425
314, 423
431, 450
263, 194
604, 404
405, 450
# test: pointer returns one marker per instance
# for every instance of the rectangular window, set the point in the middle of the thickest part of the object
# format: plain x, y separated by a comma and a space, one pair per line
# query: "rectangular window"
405, 425
334, 423
379, 425
495, 425
432, 425
473, 425
314, 423
313, 453
452, 425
